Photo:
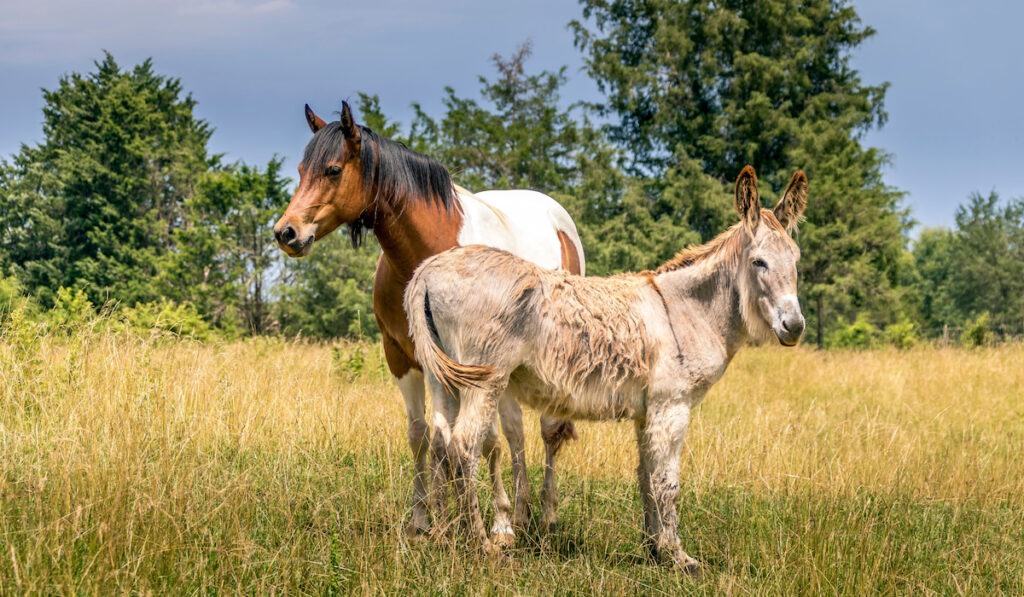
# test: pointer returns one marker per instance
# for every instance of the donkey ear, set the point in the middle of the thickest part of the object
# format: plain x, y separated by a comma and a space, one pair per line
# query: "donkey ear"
315, 122
793, 202
748, 202
348, 125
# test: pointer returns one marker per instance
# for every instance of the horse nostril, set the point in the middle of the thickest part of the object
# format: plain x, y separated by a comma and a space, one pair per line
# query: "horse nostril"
286, 235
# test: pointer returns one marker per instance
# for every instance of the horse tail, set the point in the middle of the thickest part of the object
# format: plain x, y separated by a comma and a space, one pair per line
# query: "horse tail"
429, 353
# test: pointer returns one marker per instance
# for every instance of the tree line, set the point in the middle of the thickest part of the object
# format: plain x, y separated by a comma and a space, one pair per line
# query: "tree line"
123, 204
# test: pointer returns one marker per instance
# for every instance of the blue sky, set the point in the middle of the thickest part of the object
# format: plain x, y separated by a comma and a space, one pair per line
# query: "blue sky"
955, 117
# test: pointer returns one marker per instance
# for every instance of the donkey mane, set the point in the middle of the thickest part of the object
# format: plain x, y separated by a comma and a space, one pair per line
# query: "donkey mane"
399, 173
724, 249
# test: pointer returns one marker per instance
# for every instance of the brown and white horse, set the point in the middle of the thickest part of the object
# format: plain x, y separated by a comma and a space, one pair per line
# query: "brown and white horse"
351, 175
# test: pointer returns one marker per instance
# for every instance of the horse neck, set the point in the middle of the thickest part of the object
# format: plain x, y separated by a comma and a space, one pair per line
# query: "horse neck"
410, 231
710, 294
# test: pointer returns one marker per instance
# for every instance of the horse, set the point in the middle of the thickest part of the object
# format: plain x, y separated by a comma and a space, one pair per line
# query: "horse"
351, 175
642, 346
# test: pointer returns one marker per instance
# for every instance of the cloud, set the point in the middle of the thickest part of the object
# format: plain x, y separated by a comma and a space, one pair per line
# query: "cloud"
235, 7
34, 32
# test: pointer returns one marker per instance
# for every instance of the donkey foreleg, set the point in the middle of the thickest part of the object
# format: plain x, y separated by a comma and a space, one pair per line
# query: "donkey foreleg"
660, 441
555, 432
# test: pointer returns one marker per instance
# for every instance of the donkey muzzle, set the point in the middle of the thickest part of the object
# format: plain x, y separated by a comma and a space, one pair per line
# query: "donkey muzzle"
788, 323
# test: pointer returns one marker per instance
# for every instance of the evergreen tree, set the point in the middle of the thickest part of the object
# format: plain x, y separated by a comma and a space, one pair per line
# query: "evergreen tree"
988, 261
519, 138
710, 87
225, 252
97, 202
934, 256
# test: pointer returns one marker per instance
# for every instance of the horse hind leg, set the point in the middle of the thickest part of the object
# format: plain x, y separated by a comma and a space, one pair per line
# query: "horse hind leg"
512, 428
555, 432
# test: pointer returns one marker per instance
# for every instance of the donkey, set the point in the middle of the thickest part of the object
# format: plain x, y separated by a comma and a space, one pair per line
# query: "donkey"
644, 346
351, 175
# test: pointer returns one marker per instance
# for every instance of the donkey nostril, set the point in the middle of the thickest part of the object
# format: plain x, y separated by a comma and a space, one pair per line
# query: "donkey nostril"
785, 325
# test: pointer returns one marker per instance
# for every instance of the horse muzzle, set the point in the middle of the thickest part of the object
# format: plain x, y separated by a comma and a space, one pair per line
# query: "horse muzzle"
292, 242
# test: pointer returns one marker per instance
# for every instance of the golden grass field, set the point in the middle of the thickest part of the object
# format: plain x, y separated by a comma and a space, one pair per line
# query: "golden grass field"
134, 465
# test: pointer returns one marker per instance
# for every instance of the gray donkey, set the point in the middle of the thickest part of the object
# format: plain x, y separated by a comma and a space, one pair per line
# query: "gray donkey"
643, 346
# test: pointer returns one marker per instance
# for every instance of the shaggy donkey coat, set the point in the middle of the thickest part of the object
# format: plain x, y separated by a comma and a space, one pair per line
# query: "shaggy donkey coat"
645, 346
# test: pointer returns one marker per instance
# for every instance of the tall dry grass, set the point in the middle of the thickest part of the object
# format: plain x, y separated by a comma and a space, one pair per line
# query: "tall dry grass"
138, 465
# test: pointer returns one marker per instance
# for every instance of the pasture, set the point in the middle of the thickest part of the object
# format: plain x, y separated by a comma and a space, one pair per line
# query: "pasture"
136, 465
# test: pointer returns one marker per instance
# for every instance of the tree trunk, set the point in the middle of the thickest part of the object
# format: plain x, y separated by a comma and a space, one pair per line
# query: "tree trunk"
821, 338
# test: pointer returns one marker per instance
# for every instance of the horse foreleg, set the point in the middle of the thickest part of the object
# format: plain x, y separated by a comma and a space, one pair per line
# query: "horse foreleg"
555, 432
411, 386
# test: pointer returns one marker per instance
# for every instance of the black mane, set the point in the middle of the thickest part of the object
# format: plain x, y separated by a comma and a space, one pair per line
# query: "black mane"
400, 174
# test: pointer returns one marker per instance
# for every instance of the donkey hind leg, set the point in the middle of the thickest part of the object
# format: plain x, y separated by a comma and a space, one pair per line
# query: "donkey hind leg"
555, 432
411, 386
512, 427
501, 531
446, 408
476, 416
660, 441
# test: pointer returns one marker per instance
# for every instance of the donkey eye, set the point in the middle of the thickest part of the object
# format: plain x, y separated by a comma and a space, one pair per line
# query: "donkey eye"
332, 171
760, 263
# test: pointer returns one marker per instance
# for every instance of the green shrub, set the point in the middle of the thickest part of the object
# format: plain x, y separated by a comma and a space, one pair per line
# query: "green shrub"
349, 359
71, 310
859, 334
11, 296
977, 332
902, 334
167, 317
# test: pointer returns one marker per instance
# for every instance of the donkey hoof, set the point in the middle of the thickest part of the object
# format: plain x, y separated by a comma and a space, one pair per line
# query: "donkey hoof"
690, 566
503, 541
495, 553
416, 532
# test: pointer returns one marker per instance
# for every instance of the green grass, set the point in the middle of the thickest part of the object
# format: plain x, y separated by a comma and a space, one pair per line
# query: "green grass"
142, 466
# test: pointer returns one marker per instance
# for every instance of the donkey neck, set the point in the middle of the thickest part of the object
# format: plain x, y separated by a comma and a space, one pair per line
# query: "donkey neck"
410, 231
705, 295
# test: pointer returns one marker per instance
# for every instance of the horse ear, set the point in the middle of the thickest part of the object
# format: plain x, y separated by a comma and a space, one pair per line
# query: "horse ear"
315, 122
793, 202
748, 202
348, 125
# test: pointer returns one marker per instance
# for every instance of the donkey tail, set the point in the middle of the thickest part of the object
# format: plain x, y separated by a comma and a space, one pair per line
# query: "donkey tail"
429, 354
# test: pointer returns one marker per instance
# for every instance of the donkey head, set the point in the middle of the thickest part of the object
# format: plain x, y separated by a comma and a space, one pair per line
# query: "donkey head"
332, 185
767, 268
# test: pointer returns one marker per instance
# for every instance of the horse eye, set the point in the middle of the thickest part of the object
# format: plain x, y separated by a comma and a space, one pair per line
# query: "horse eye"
760, 263
332, 171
